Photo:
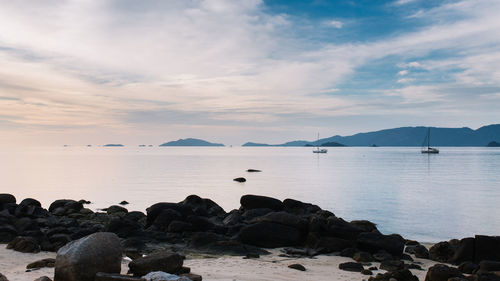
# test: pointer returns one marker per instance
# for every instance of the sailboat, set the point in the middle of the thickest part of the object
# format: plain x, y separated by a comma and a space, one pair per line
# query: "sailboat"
429, 149
323, 150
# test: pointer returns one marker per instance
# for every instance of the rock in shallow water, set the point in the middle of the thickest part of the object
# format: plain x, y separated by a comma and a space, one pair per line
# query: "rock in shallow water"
351, 266
162, 276
81, 259
297, 266
240, 179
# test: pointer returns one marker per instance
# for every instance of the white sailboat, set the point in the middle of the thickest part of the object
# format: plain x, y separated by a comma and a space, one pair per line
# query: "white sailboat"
323, 150
429, 149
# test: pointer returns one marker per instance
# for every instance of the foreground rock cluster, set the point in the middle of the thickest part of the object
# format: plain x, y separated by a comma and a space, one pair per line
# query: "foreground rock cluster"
82, 236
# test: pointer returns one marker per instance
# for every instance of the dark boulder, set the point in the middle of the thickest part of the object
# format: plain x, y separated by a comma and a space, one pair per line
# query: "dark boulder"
59, 240
326, 244
7, 233
165, 261
68, 205
362, 257
441, 272
487, 248
81, 259
270, 235
351, 266
348, 252
43, 278
200, 223
366, 272
256, 202
382, 256
468, 267
392, 265
420, 251
115, 210
441, 252
203, 206
123, 228
101, 276
24, 245
366, 226
6, 198
201, 239
232, 218
48, 262
179, 226
399, 275
486, 266
155, 210
166, 217
26, 224
123, 203
464, 251
373, 242
299, 208
3, 278
249, 215
297, 266
240, 179
30, 207
283, 218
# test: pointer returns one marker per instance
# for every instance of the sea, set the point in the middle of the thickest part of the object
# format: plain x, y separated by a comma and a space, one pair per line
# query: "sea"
429, 198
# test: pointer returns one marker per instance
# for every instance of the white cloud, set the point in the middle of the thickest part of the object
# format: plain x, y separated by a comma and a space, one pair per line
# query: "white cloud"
403, 2
97, 63
405, 80
334, 23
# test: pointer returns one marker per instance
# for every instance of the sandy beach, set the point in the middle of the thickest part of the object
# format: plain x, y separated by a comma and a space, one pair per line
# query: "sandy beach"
270, 267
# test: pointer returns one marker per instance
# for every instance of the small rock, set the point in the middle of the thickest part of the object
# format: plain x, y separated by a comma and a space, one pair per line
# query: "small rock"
101, 276
162, 276
48, 262
297, 267
373, 268
351, 266
366, 272
253, 171
83, 201
192, 276
240, 179
252, 256
43, 278
124, 202
392, 265
362, 257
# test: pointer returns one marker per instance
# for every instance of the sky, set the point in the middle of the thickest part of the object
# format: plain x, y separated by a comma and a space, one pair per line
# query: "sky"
149, 71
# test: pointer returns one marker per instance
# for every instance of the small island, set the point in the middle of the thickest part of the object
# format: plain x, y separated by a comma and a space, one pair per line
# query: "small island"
190, 142
332, 144
113, 145
256, 144
493, 144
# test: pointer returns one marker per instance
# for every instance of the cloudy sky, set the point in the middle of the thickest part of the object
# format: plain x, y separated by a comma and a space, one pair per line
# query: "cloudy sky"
148, 71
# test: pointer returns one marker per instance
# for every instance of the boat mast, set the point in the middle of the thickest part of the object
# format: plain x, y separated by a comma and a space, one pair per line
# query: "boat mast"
428, 137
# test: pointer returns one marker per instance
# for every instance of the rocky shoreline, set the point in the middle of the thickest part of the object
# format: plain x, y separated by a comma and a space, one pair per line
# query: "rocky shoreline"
158, 240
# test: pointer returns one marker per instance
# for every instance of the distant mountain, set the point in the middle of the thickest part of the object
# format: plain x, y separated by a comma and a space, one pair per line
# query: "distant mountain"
493, 144
332, 144
256, 144
113, 145
412, 136
190, 142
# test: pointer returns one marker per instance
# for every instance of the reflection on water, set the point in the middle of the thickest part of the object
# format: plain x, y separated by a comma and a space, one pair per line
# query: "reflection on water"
424, 197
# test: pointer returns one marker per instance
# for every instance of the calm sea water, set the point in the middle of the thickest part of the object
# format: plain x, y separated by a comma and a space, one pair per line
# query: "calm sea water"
425, 197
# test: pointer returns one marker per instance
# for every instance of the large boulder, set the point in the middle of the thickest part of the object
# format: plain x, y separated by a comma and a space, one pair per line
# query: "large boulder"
81, 259
326, 244
270, 235
441, 252
3, 278
165, 261
487, 248
257, 202
487, 266
464, 251
24, 244
67, 205
373, 242
203, 206
441, 272
30, 207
